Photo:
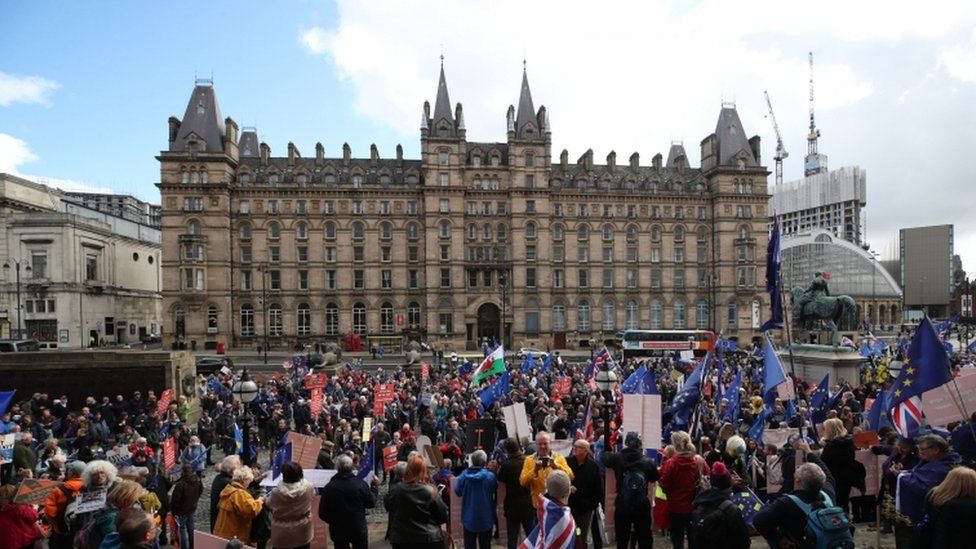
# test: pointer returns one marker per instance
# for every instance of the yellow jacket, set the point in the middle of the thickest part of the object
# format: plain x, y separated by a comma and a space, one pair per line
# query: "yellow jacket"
535, 480
236, 510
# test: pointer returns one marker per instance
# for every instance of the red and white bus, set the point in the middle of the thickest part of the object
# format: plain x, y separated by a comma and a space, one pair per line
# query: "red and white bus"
638, 343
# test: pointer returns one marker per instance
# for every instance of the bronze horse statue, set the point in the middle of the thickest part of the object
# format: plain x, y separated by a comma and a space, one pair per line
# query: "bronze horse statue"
839, 313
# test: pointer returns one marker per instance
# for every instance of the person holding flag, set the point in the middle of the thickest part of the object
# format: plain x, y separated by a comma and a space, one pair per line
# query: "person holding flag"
927, 368
492, 365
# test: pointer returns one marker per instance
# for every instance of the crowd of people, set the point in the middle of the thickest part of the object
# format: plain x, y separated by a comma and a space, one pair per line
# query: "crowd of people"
110, 451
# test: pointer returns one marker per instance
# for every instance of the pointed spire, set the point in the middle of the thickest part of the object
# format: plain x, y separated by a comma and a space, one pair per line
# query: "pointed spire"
526, 110
733, 145
442, 106
202, 118
249, 145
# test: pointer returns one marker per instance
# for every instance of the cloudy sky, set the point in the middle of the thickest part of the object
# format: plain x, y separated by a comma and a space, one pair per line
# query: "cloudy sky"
86, 88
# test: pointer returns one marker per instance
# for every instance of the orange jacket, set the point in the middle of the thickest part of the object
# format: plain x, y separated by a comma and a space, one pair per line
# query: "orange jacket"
57, 500
236, 510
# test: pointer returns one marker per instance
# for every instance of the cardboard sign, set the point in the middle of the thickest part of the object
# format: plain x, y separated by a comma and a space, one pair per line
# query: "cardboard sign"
304, 449
316, 477
561, 446
118, 456
389, 458
778, 437
316, 381
866, 439
786, 391
34, 491
434, 456
7, 447
872, 468
169, 454
481, 436
942, 405
367, 428
90, 501
561, 388
423, 441
642, 415
164, 399
517, 422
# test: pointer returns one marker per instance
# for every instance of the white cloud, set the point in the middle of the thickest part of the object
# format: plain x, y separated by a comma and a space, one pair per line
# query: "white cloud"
960, 60
315, 40
13, 153
69, 185
25, 89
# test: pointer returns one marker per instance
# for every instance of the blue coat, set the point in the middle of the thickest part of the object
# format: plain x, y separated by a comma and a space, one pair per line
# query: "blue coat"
478, 487
914, 485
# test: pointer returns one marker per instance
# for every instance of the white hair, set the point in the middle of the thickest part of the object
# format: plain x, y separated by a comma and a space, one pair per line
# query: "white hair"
810, 477
243, 475
557, 484
99, 466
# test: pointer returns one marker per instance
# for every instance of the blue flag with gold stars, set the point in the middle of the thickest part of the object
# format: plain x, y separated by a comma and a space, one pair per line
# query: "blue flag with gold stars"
773, 372
927, 368
748, 503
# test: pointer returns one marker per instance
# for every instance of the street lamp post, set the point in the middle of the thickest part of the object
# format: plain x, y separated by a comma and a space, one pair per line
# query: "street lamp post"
605, 380
264, 308
27, 269
245, 391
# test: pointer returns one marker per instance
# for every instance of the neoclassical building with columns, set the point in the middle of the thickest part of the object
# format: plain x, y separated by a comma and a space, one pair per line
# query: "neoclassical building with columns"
471, 240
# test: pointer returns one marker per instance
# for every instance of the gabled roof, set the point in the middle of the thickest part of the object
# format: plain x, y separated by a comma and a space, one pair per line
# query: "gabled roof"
249, 146
732, 139
677, 156
442, 107
203, 119
526, 110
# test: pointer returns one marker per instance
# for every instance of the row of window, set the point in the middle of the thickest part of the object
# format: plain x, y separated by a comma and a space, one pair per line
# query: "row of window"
302, 180
303, 319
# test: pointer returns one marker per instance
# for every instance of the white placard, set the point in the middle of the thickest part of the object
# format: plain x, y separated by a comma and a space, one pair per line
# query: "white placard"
422, 442
517, 422
90, 501
562, 446
316, 477
642, 415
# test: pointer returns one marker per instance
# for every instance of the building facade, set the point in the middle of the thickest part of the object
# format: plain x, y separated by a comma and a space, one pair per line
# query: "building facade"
831, 201
472, 240
926, 269
85, 275
118, 205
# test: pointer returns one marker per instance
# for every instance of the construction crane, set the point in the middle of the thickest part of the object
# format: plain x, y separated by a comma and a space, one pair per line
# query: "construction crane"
780, 149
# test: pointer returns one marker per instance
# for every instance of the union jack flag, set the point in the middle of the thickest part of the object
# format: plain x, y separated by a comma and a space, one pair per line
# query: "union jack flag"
907, 416
604, 359
556, 528
586, 427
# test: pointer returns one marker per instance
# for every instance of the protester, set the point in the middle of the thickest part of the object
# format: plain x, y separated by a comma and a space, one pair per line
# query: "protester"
477, 486
950, 512
539, 465
183, 504
838, 453
556, 528
680, 477
237, 507
18, 521
290, 505
136, 529
912, 486
633, 508
587, 488
100, 527
517, 506
782, 521
195, 455
225, 475
716, 522
416, 512
343, 506
56, 503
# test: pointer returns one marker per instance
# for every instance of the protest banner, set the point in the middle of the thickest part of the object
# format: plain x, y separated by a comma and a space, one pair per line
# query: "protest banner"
34, 491
866, 439
316, 381
424, 370
169, 454
304, 449
382, 395
315, 401
561, 387
434, 456
118, 456
367, 429
164, 399
872, 469
480, 436
90, 501
642, 415
517, 422
316, 477
943, 405
203, 540
7, 447
389, 458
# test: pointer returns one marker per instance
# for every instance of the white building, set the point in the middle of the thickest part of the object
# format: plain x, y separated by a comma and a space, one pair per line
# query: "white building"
828, 200
85, 275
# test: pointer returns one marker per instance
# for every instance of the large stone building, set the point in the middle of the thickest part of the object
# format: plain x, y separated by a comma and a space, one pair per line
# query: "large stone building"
85, 275
471, 240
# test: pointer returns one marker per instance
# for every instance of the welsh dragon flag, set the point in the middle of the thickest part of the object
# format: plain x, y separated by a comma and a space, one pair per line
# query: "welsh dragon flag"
493, 364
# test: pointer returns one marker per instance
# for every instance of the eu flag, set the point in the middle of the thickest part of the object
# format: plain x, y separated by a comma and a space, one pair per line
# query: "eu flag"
878, 414
647, 383
927, 368
773, 283
759, 425
773, 372
748, 503
630, 384
367, 465
546, 363
494, 392
686, 399
528, 364
819, 400
6, 397
281, 456
731, 413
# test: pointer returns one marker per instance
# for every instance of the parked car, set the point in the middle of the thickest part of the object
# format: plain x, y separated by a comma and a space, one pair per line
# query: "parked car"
152, 338
536, 353
207, 365
19, 346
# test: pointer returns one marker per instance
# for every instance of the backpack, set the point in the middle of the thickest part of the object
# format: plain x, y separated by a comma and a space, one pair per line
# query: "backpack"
708, 524
92, 533
703, 482
827, 525
633, 488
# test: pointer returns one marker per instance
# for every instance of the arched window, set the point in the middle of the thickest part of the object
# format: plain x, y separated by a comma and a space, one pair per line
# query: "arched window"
678, 311
386, 317
608, 232
275, 327
413, 232
531, 316
530, 230
301, 231
194, 176
486, 232
631, 234
359, 318
330, 231
247, 320
245, 231
557, 233
655, 234
609, 314
583, 316
502, 232
304, 319
445, 229
274, 231
679, 234
558, 317
583, 233
331, 319
472, 231
184, 176
193, 227
701, 314
633, 316
358, 231
733, 316
657, 314
413, 314
386, 231
203, 176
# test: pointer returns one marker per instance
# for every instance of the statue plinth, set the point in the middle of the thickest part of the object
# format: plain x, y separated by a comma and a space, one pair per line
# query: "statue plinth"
813, 361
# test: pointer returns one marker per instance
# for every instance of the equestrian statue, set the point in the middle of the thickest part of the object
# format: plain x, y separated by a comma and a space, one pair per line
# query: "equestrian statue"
815, 304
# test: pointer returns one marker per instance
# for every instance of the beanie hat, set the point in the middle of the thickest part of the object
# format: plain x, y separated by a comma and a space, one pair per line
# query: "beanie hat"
632, 440
720, 477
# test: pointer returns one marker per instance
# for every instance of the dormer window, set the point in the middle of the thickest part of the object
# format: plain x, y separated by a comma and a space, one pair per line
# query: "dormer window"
476, 161
357, 181
302, 180
496, 161
273, 180
200, 108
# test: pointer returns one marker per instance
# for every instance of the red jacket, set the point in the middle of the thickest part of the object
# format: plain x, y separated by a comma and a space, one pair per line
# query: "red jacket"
679, 480
18, 526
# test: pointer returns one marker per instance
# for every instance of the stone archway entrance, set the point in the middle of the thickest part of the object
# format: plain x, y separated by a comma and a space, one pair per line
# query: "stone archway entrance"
489, 322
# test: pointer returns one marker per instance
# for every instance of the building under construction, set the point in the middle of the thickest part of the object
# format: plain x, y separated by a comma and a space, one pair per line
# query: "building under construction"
829, 200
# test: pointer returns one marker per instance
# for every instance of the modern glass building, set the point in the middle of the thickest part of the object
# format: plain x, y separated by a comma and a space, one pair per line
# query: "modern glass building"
853, 271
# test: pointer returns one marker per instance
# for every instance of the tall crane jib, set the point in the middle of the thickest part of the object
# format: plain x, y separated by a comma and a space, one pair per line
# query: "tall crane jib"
780, 149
